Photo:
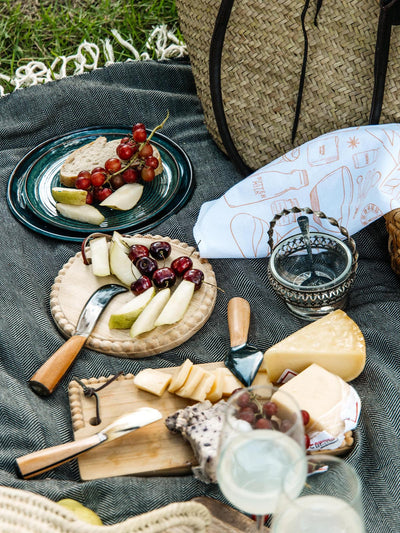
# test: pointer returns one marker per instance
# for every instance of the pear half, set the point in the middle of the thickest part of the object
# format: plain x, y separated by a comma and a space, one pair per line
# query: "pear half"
67, 195
131, 310
82, 213
125, 197
177, 304
146, 320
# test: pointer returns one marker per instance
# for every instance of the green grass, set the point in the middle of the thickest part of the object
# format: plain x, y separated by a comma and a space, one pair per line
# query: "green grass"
45, 29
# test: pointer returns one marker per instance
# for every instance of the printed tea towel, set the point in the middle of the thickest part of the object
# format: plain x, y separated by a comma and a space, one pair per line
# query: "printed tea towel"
352, 175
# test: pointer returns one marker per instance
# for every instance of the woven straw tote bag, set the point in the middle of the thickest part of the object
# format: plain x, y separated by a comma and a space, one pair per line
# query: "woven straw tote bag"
23, 511
273, 75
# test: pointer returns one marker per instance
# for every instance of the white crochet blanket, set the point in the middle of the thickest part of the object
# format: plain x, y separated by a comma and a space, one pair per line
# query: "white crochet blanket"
162, 43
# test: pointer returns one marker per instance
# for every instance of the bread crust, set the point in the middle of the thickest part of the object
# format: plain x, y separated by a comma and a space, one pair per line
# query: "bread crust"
91, 155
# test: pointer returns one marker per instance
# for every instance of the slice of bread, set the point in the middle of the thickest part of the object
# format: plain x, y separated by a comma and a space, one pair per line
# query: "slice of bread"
91, 155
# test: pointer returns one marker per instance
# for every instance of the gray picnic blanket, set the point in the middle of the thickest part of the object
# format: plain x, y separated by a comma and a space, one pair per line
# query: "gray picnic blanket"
123, 94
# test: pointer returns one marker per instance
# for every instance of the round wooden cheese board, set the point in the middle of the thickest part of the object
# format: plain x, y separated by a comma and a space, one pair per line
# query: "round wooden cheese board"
75, 283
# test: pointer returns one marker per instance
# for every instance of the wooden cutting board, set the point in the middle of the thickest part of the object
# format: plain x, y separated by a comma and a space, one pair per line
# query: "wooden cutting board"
151, 450
75, 283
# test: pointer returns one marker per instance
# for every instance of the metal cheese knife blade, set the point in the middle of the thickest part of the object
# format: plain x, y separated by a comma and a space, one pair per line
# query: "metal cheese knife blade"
46, 379
243, 359
36, 463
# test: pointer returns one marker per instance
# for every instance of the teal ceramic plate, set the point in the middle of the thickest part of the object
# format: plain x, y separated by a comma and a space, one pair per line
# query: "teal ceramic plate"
29, 189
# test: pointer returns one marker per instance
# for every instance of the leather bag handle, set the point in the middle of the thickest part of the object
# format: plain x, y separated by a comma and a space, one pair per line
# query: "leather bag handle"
389, 16
216, 46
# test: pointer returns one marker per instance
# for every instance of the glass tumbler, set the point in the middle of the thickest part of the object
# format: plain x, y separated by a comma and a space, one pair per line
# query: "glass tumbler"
330, 501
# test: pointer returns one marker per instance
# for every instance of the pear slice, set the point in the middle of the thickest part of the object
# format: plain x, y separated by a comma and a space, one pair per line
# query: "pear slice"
82, 213
131, 310
177, 305
146, 320
99, 255
120, 264
67, 195
125, 197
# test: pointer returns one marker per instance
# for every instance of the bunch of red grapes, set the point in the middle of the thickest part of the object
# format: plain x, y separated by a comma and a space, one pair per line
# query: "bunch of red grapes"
146, 260
135, 163
263, 415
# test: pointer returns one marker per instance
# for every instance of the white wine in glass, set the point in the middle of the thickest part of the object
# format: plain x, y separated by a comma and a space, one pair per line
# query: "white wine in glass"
330, 500
262, 439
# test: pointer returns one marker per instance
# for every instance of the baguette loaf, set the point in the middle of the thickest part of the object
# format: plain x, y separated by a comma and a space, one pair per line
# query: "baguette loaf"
91, 155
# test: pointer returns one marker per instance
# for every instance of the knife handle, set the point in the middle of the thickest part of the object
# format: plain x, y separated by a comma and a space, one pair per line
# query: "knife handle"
46, 379
238, 320
36, 463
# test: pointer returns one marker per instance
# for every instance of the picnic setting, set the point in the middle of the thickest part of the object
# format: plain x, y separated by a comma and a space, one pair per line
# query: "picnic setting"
200, 267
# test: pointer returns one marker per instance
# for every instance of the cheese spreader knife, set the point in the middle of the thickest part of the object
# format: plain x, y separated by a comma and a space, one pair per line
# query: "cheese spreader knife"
36, 463
243, 359
46, 379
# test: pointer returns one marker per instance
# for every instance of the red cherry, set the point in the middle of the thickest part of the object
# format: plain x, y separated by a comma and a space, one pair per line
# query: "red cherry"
306, 416
164, 277
139, 135
125, 151
146, 266
147, 174
141, 284
136, 251
113, 165
160, 249
194, 275
181, 264
97, 179
130, 175
124, 140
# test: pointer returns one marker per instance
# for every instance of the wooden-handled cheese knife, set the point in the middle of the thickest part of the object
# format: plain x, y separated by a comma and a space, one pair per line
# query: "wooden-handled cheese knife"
36, 463
46, 379
243, 360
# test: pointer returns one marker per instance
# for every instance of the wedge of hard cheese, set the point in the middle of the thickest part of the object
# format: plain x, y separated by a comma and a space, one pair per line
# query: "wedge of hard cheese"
333, 405
334, 342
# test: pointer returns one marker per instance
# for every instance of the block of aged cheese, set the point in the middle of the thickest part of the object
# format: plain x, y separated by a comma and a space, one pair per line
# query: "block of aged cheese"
152, 380
333, 404
180, 376
203, 388
334, 342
